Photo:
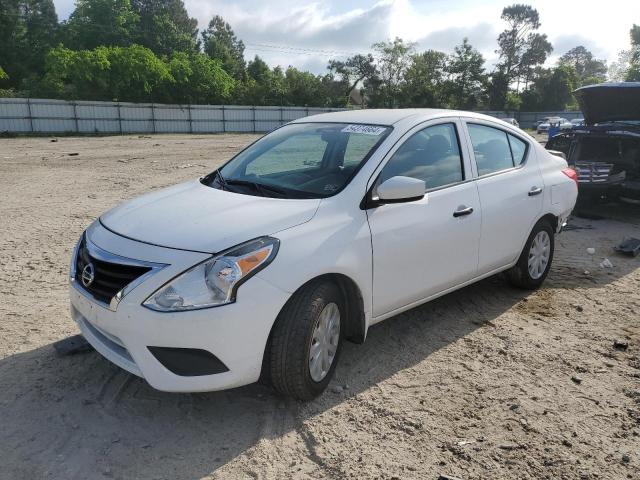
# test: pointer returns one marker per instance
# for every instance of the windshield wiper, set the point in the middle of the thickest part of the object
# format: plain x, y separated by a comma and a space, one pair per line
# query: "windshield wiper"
221, 180
260, 188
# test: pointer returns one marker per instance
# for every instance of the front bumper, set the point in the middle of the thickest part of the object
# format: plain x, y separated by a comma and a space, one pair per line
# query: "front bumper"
236, 333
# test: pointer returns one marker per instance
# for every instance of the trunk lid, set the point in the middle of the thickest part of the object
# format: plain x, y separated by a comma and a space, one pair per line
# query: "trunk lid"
608, 102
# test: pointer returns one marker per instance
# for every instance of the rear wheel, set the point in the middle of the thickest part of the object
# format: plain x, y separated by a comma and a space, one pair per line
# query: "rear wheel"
536, 257
307, 340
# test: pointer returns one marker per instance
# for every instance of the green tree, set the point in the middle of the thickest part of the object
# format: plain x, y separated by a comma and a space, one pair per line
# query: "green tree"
633, 72
424, 80
96, 23
589, 69
520, 50
132, 74
551, 90
627, 66
467, 78
165, 26
28, 29
353, 71
221, 43
303, 88
263, 86
197, 79
498, 89
394, 58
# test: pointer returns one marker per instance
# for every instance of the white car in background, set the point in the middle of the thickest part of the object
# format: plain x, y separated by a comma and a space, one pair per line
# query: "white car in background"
563, 123
307, 238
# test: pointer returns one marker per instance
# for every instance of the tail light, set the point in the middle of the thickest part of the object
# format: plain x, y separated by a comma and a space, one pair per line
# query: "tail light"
571, 173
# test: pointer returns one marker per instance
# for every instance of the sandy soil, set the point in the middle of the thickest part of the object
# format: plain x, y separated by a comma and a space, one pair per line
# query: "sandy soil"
488, 382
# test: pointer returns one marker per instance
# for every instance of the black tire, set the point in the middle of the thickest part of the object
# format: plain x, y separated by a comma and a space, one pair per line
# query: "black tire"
291, 340
519, 275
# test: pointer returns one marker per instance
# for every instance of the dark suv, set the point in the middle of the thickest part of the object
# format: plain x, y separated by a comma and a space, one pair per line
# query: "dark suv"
605, 151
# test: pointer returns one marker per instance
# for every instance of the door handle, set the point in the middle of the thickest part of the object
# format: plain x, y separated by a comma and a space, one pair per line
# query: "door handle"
535, 191
462, 210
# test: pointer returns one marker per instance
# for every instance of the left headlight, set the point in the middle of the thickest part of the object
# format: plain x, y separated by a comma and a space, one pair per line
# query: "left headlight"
215, 281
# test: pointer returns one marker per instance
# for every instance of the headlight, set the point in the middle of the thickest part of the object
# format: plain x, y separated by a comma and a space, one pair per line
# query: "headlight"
215, 281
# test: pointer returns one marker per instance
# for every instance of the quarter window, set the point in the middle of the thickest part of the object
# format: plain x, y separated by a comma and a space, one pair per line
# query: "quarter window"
495, 149
432, 155
518, 149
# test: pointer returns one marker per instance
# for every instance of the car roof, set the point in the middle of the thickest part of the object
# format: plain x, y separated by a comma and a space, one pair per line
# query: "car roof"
388, 117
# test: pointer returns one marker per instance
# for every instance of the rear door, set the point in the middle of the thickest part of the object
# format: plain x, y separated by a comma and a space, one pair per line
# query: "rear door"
423, 247
510, 187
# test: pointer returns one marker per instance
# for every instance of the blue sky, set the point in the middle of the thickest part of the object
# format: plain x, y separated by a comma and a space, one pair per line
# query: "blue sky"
307, 34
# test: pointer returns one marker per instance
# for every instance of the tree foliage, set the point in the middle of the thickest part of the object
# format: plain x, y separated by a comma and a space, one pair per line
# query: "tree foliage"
424, 80
221, 43
353, 71
165, 27
394, 58
467, 79
151, 50
520, 50
633, 72
588, 69
134, 74
551, 90
28, 30
96, 23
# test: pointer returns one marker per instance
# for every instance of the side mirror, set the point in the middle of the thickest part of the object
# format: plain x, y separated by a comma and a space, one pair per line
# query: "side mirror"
401, 189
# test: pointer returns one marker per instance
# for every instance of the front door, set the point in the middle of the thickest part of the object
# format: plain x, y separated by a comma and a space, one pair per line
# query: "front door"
423, 247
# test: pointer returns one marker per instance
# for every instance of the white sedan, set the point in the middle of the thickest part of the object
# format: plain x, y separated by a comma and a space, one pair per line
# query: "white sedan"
309, 236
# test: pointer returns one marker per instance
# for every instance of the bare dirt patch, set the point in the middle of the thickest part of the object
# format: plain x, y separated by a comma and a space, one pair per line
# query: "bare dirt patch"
488, 382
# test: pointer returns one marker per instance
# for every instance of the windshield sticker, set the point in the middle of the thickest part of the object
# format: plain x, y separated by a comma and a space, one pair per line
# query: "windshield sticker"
364, 129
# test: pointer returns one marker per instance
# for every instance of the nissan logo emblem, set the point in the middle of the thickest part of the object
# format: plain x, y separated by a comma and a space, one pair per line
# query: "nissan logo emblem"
88, 275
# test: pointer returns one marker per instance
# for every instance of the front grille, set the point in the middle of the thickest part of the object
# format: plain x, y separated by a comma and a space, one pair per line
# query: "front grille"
108, 278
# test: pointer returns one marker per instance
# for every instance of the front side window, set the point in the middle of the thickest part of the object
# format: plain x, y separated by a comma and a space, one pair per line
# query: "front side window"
304, 160
432, 155
495, 149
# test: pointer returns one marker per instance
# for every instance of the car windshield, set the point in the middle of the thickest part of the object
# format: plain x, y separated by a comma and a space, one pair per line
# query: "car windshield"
303, 160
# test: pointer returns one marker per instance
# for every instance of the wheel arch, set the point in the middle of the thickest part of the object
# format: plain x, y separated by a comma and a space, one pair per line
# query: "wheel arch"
356, 327
548, 217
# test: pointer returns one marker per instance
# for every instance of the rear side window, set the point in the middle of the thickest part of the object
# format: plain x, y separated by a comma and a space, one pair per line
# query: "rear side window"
432, 155
518, 149
495, 149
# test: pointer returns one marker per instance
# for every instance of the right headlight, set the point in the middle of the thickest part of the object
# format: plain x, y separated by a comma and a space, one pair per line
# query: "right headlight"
214, 282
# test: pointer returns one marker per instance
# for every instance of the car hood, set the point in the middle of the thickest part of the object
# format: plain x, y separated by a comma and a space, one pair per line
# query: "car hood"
609, 102
192, 216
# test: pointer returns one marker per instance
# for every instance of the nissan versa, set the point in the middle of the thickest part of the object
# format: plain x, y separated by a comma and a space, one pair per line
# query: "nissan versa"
308, 237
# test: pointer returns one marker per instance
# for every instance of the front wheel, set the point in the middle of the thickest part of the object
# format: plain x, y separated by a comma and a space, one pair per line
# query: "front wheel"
536, 257
307, 340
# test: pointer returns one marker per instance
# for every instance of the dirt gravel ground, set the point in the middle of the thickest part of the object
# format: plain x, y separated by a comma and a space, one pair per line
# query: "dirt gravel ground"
487, 382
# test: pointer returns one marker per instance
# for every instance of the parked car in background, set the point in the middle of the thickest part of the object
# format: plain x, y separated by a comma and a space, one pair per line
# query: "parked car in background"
605, 151
563, 123
512, 121
538, 122
309, 236
577, 122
